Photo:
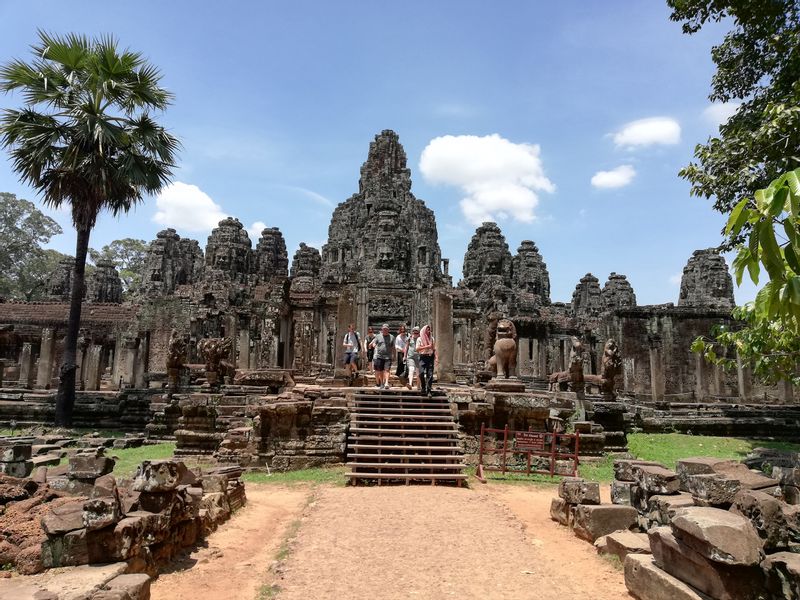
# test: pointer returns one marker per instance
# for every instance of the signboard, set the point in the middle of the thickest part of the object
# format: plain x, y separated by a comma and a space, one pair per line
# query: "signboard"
530, 440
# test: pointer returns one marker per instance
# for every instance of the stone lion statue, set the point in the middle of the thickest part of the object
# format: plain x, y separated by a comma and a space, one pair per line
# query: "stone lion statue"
504, 359
176, 357
610, 367
216, 352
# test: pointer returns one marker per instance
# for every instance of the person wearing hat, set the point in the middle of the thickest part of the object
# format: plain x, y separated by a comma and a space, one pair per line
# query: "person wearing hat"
412, 358
384, 346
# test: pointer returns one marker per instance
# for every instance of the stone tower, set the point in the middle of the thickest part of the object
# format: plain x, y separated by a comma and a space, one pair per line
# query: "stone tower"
383, 234
586, 300
706, 281
228, 250
105, 284
529, 272
487, 269
618, 293
270, 259
171, 261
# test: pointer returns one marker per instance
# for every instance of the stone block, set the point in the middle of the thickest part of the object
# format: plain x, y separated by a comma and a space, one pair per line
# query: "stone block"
715, 579
66, 550
575, 490
45, 460
646, 581
158, 476
696, 465
654, 479
593, 521
621, 492
623, 468
712, 489
105, 487
136, 585
111, 595
64, 517
15, 452
213, 483
751, 480
662, 509
559, 511
782, 575
83, 466
100, 512
791, 494
719, 535
17, 469
766, 513
622, 543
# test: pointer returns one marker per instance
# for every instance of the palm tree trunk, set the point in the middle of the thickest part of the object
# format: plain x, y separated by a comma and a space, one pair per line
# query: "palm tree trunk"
65, 400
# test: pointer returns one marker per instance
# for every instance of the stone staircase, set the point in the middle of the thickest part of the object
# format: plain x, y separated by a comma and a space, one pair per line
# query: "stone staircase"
398, 435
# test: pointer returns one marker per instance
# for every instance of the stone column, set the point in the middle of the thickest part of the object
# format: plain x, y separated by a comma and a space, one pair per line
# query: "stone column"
443, 331
701, 385
46, 354
26, 366
91, 380
243, 362
128, 360
140, 364
744, 379
656, 374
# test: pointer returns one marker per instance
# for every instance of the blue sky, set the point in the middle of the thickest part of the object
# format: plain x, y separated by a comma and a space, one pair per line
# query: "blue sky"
276, 103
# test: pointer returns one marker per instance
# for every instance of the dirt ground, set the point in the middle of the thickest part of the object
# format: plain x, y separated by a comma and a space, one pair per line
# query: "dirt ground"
490, 541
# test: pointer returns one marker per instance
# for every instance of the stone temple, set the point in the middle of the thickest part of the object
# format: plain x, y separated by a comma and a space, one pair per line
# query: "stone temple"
381, 263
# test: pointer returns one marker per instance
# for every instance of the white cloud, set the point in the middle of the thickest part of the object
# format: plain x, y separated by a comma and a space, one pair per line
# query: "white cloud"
311, 195
676, 279
718, 113
255, 230
187, 207
500, 179
647, 132
615, 178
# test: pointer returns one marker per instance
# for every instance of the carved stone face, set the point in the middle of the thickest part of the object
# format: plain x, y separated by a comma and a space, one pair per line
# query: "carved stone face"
493, 263
386, 259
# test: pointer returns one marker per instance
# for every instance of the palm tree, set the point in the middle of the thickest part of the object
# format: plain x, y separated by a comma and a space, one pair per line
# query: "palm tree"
85, 139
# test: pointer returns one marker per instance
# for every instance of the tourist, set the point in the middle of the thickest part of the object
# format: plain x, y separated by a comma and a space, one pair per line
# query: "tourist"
426, 348
412, 358
400, 350
383, 345
352, 346
369, 347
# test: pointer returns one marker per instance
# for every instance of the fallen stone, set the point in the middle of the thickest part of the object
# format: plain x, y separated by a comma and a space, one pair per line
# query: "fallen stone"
766, 513
718, 580
45, 460
41, 449
653, 479
712, 489
63, 518
137, 585
100, 512
646, 581
89, 467
791, 494
593, 521
662, 509
559, 511
782, 575
622, 543
623, 468
751, 480
719, 535
65, 550
575, 490
15, 452
697, 465
17, 469
213, 483
111, 595
158, 476
621, 492
105, 487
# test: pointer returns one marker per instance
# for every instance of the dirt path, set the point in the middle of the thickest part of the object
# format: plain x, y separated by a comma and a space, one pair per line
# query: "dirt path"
236, 561
439, 542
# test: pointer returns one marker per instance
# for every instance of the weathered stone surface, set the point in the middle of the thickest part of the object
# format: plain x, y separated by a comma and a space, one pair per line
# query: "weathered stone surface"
586, 301
171, 261
662, 509
767, 515
575, 490
591, 522
713, 578
782, 575
82, 466
622, 543
15, 452
228, 250
104, 285
529, 272
65, 517
66, 550
270, 259
706, 281
719, 535
158, 476
559, 511
621, 492
617, 293
646, 581
18, 469
655, 480
751, 480
713, 490
623, 468
100, 512
136, 585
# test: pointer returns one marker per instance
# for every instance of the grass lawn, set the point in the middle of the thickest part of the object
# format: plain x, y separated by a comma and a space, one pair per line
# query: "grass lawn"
130, 458
334, 475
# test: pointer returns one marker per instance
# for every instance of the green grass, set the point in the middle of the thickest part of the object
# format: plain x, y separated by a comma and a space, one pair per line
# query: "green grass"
334, 475
130, 458
598, 471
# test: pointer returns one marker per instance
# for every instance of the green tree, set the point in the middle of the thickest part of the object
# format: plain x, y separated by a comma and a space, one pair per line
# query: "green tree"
758, 64
128, 255
23, 229
770, 337
85, 138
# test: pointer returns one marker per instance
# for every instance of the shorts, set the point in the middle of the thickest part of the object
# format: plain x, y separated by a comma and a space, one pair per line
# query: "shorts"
382, 364
351, 357
370, 354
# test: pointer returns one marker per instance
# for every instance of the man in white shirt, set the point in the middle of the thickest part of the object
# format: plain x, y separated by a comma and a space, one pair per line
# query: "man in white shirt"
352, 345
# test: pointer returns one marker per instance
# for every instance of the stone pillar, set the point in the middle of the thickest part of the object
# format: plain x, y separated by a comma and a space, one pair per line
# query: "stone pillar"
787, 392
744, 379
128, 360
140, 364
701, 385
443, 331
46, 354
26, 366
656, 374
446, 266
243, 362
91, 379
345, 314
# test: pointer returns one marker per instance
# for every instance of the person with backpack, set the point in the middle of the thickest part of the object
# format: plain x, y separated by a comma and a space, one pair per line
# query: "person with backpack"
352, 346
384, 346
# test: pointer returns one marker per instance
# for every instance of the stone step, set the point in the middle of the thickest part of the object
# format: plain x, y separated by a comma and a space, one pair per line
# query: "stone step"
389, 415
393, 447
400, 431
401, 438
409, 476
427, 457
422, 408
408, 466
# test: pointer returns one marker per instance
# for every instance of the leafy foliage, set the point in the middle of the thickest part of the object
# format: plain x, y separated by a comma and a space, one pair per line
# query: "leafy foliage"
128, 255
770, 339
24, 264
758, 63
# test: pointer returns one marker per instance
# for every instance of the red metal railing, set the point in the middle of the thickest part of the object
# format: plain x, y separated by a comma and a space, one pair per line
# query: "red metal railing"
530, 443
